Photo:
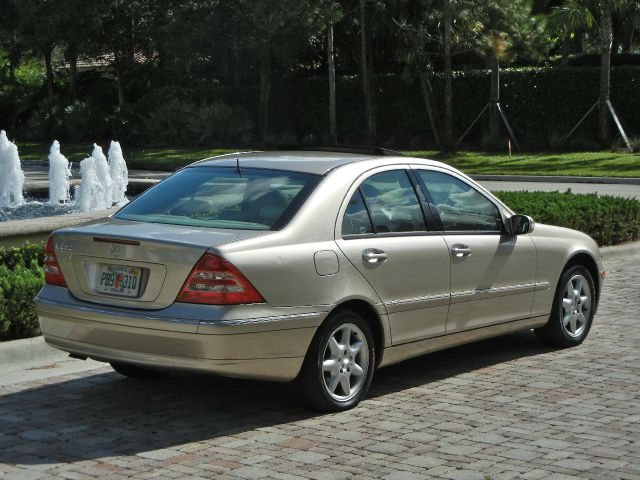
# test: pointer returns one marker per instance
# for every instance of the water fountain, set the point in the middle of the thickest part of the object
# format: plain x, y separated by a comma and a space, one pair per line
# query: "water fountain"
12, 176
103, 183
59, 173
119, 175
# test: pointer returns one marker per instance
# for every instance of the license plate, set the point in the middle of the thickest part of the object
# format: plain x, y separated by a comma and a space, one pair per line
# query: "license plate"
119, 280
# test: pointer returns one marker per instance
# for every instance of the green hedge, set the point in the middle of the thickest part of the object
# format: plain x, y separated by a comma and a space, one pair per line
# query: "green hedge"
542, 105
608, 220
21, 277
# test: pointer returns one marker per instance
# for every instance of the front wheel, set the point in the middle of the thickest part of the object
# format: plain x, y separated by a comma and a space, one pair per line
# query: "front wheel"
339, 365
572, 311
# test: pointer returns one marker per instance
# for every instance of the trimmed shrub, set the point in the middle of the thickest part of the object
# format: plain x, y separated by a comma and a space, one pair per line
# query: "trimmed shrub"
25, 256
608, 220
21, 277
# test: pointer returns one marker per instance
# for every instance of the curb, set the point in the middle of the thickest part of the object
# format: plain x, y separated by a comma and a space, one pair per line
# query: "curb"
630, 249
18, 354
557, 179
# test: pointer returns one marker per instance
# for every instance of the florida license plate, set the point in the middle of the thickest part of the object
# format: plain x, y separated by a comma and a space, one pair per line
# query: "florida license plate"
119, 280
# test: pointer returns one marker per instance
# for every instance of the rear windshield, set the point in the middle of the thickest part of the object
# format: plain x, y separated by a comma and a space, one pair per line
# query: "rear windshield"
223, 197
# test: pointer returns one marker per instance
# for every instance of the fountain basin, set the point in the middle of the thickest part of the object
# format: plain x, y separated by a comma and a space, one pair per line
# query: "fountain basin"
19, 232
15, 233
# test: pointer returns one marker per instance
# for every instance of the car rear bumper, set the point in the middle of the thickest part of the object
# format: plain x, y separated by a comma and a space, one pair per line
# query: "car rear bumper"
268, 347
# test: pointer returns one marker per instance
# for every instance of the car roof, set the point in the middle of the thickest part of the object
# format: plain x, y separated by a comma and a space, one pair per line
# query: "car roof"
316, 162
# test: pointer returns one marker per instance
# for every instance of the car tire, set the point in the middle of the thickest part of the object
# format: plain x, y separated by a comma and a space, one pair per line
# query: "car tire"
572, 310
139, 373
339, 365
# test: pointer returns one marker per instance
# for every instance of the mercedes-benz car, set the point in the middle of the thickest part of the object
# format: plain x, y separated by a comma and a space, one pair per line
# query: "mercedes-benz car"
310, 265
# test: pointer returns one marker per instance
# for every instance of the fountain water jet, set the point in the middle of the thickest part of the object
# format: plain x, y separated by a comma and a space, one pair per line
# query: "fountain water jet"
94, 191
105, 185
119, 175
59, 173
12, 177
89, 194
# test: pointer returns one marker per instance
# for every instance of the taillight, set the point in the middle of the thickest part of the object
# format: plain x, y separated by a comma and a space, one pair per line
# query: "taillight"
52, 273
217, 281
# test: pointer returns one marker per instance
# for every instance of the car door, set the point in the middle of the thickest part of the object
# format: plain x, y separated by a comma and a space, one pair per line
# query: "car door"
492, 274
383, 231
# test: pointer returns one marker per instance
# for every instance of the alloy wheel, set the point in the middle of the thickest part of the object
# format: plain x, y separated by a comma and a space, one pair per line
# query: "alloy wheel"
576, 306
345, 362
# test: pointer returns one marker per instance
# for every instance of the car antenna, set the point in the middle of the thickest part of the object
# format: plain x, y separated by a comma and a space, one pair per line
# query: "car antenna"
238, 167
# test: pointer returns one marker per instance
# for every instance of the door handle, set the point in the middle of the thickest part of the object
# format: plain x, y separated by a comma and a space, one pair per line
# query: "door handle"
373, 255
460, 250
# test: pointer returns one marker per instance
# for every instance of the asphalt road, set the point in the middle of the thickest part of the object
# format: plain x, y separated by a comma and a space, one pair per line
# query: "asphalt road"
500, 409
618, 190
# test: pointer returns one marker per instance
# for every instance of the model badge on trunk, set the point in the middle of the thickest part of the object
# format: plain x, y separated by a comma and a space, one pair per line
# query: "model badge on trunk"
114, 251
63, 245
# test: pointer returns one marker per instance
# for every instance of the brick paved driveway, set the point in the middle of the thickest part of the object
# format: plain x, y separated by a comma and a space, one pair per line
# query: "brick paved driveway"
504, 408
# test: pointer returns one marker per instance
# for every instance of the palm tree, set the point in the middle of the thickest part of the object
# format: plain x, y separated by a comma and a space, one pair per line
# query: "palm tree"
575, 14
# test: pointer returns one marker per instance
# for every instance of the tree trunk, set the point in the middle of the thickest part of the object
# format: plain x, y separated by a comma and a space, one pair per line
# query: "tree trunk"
236, 62
628, 30
566, 48
494, 64
494, 119
14, 61
448, 97
117, 66
425, 85
366, 77
606, 40
265, 91
578, 41
333, 137
72, 54
46, 53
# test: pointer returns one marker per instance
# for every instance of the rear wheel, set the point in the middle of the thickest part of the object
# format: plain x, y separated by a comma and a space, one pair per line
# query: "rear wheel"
339, 365
139, 373
572, 311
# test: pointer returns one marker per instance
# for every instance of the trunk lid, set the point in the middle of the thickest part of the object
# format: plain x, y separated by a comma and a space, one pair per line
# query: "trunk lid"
134, 264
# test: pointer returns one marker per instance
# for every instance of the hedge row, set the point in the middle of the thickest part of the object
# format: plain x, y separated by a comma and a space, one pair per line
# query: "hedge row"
542, 105
608, 220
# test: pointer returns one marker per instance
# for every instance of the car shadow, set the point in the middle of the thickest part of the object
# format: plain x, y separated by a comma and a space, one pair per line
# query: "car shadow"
105, 414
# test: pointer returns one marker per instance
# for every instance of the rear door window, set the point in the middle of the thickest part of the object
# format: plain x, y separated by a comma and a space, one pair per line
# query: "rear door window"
384, 203
223, 197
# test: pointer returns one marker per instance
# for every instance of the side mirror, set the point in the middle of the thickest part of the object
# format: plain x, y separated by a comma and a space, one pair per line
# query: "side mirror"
519, 225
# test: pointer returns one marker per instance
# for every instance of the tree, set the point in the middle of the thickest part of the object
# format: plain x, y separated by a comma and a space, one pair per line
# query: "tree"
367, 72
74, 41
414, 27
273, 28
10, 40
40, 29
434, 32
573, 14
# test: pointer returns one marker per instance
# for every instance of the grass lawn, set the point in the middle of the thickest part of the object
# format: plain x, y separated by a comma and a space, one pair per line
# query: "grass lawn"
137, 158
589, 164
